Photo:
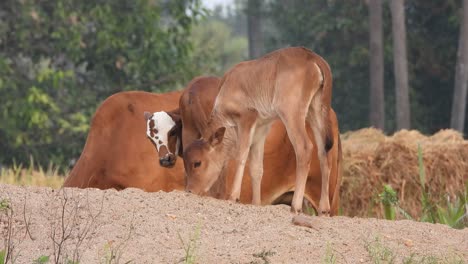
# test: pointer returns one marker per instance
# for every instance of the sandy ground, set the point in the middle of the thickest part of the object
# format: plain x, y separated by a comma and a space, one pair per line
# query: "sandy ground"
157, 227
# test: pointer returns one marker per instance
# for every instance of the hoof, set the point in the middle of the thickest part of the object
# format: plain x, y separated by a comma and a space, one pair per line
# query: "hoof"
234, 199
296, 211
325, 213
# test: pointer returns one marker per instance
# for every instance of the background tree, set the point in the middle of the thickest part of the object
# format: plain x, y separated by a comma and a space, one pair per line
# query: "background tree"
376, 65
219, 41
461, 75
400, 65
254, 23
60, 59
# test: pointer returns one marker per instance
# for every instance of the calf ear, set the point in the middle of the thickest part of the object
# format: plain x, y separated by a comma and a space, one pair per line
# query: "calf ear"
175, 115
148, 115
177, 128
217, 137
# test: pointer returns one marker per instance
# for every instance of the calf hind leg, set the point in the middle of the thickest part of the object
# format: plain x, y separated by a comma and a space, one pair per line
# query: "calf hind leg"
317, 125
297, 133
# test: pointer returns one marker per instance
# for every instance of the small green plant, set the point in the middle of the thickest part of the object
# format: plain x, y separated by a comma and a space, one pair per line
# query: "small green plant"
190, 247
389, 200
41, 260
4, 204
2, 256
264, 255
309, 209
453, 213
379, 253
415, 259
330, 257
428, 213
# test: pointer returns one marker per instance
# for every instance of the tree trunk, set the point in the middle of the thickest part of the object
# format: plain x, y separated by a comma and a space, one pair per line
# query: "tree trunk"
254, 28
377, 103
400, 64
461, 75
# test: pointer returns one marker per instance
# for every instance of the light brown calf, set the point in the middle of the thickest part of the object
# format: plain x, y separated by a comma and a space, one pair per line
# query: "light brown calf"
292, 84
196, 104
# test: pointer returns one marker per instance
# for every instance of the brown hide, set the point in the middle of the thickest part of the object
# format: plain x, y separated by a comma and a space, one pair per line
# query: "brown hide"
117, 153
279, 160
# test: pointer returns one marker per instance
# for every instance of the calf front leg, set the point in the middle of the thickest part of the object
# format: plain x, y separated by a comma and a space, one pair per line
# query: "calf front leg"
256, 162
245, 135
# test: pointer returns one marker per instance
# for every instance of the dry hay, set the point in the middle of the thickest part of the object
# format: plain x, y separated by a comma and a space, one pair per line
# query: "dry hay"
371, 159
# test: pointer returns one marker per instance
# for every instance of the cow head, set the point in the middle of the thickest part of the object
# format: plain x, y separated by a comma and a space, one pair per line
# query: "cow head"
164, 130
204, 161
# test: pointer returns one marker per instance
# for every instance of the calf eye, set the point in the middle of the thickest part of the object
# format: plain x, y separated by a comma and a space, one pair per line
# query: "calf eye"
196, 164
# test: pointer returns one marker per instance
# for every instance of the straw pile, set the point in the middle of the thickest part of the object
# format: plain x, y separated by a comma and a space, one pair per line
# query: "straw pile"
371, 159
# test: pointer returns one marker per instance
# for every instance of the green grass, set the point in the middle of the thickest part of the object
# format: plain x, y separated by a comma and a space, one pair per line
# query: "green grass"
190, 247
453, 213
379, 253
330, 257
264, 256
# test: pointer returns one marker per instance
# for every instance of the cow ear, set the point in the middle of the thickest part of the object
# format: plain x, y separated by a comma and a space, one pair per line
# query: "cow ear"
148, 115
217, 137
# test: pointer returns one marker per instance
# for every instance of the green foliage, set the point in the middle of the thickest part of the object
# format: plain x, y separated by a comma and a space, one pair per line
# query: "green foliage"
60, 59
4, 204
455, 213
2, 256
428, 213
216, 49
415, 259
379, 253
190, 247
330, 257
452, 213
264, 256
41, 260
339, 32
389, 200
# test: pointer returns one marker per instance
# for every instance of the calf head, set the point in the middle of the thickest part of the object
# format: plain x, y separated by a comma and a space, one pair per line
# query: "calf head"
164, 130
204, 161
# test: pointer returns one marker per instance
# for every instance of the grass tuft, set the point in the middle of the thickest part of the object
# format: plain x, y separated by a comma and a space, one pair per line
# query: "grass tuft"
32, 175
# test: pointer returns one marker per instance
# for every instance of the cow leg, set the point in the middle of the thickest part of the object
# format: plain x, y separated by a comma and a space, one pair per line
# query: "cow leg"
256, 162
245, 134
303, 146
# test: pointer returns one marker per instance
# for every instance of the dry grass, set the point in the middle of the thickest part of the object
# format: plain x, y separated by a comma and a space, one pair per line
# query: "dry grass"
18, 175
371, 159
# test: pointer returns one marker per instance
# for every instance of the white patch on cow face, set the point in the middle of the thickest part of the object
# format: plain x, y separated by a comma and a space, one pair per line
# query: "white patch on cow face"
162, 123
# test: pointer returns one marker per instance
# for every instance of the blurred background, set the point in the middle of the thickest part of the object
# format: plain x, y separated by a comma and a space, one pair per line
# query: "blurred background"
394, 62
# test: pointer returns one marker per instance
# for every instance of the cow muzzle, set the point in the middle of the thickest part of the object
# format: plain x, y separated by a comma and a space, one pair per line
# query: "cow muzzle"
167, 161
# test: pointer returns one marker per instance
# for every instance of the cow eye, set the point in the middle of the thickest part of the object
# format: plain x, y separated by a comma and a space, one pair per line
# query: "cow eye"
196, 164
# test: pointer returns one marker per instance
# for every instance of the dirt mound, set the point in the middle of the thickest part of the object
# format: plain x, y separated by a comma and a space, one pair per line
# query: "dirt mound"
372, 159
160, 227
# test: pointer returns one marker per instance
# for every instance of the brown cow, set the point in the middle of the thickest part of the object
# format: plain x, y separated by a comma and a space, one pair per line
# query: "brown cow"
292, 84
116, 153
196, 104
